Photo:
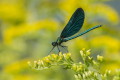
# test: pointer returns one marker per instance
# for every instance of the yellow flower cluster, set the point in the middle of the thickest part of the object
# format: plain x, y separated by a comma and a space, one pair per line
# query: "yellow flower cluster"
50, 60
15, 31
83, 70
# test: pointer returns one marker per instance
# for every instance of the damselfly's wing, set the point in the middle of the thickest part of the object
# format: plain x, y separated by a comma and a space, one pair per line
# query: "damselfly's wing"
74, 25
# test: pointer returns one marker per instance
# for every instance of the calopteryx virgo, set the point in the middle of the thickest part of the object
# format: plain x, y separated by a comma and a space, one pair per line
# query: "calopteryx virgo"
74, 25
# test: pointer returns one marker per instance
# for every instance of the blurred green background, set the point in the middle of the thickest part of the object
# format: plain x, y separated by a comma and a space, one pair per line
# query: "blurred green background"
27, 28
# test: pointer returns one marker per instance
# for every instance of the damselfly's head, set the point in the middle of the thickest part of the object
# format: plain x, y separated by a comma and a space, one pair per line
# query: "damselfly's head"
54, 43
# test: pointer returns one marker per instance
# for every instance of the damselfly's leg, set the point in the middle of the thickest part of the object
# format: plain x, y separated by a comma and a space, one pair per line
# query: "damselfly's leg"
65, 48
52, 49
58, 49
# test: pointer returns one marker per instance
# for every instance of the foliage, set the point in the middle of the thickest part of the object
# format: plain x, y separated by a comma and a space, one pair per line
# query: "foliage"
86, 70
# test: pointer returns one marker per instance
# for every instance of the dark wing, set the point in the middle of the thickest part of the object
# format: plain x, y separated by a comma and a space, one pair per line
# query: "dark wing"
74, 25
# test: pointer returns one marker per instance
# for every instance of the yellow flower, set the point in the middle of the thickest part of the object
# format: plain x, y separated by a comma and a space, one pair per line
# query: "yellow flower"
16, 31
74, 67
111, 66
16, 66
46, 59
111, 44
88, 52
54, 56
11, 11
79, 43
99, 58
104, 11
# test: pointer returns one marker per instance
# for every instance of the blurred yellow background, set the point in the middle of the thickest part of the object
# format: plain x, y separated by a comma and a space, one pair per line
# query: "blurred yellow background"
28, 27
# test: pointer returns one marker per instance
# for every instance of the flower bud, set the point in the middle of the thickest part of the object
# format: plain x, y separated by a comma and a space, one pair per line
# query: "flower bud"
76, 76
74, 67
88, 52
99, 58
